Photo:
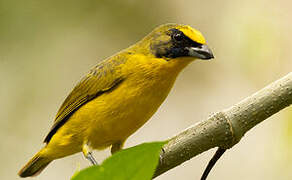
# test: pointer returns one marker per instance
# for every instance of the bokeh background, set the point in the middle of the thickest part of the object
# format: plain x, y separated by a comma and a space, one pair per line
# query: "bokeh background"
47, 46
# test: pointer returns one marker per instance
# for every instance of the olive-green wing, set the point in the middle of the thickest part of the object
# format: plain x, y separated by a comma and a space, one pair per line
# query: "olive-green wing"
103, 78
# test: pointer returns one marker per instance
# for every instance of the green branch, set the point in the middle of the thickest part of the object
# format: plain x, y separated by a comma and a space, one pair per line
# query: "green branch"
226, 128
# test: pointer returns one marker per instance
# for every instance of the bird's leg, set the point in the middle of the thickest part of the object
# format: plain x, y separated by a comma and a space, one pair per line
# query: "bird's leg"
117, 146
87, 152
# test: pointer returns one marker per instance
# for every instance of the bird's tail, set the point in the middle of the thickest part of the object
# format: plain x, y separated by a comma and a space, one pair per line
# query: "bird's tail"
35, 165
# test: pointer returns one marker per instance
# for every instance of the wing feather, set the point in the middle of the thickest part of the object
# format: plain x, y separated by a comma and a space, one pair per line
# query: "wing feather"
102, 78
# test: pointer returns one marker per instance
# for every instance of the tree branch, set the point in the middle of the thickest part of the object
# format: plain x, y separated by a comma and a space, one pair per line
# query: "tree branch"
226, 128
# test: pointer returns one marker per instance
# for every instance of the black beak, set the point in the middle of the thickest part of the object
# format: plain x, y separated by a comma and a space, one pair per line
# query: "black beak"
201, 52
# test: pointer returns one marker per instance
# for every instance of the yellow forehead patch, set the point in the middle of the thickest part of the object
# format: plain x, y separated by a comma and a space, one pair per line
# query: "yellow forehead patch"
193, 34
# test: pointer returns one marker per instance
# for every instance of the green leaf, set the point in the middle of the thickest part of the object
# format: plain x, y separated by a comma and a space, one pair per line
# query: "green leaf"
135, 163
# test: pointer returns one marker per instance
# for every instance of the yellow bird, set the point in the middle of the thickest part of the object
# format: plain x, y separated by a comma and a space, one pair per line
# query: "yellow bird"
119, 95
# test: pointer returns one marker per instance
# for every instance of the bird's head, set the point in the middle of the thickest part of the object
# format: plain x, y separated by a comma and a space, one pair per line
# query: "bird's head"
172, 41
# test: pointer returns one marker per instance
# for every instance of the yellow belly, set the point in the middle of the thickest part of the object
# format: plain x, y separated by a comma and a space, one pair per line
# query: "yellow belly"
114, 115
111, 117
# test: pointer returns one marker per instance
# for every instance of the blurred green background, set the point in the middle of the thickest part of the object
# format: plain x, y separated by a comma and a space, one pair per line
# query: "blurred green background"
47, 46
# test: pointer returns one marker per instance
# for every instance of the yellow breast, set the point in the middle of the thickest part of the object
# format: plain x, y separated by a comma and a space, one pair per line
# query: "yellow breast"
117, 114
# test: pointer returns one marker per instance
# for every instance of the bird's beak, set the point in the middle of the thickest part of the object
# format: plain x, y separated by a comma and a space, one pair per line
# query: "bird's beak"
202, 52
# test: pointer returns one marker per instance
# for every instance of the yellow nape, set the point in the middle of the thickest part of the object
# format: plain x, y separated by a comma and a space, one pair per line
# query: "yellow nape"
193, 34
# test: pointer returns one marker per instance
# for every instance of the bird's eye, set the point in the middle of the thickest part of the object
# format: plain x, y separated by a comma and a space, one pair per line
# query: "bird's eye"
178, 37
